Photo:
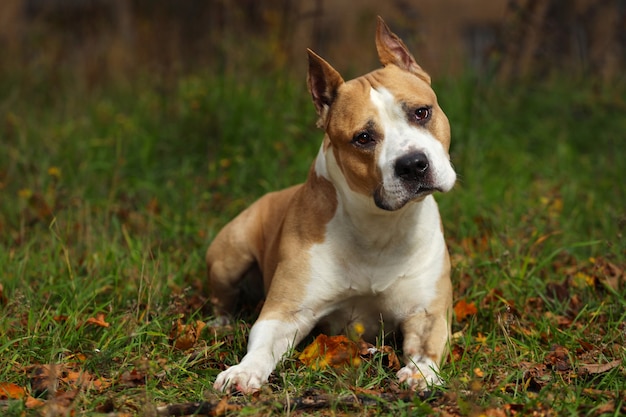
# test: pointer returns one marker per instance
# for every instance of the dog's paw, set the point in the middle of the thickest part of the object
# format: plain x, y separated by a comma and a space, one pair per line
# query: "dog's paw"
420, 375
240, 378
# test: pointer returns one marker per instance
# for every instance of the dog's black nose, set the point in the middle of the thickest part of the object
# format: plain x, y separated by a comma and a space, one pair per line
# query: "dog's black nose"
412, 167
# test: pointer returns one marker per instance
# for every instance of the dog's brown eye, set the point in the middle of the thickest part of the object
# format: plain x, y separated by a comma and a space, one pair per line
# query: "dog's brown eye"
363, 138
422, 114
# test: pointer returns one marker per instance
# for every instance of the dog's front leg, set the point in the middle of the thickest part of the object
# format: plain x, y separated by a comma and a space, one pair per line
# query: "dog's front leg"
269, 340
425, 342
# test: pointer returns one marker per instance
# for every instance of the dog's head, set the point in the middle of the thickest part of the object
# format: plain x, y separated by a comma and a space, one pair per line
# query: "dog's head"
386, 137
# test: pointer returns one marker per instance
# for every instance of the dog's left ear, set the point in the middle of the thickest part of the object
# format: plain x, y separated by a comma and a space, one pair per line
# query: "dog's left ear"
323, 81
391, 50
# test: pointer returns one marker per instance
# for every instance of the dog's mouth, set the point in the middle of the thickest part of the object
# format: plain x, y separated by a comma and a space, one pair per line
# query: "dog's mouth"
401, 196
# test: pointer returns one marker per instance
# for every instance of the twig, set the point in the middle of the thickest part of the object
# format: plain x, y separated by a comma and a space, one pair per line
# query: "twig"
186, 409
311, 401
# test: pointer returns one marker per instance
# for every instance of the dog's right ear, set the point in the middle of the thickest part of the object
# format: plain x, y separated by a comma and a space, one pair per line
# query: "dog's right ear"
323, 81
391, 50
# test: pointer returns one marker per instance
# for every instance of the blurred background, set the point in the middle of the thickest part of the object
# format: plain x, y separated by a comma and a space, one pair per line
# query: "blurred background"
181, 110
98, 41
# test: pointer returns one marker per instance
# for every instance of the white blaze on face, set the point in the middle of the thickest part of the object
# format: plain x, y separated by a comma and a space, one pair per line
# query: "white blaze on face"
402, 138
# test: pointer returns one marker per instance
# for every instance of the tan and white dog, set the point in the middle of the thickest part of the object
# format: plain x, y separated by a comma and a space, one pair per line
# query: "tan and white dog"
361, 240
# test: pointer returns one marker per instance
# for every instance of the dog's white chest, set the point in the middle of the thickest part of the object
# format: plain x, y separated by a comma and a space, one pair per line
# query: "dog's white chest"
393, 266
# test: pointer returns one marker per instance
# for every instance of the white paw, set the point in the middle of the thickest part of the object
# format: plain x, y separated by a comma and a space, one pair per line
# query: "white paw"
244, 379
419, 375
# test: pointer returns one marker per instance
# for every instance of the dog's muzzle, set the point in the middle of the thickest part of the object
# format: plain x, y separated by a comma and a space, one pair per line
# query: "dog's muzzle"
414, 179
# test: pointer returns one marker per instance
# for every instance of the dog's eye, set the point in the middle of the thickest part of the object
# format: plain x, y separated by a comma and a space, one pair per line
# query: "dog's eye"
363, 139
422, 114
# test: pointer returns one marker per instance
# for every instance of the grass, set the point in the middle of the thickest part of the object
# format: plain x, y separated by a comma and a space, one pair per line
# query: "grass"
110, 197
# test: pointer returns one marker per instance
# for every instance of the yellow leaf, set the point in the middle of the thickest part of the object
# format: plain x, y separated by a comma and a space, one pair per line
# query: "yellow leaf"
25, 193
54, 172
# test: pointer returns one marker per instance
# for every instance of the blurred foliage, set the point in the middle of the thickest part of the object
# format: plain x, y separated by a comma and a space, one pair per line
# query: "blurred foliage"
97, 41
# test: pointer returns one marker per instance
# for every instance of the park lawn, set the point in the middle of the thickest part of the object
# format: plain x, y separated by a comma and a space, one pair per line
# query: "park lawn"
110, 196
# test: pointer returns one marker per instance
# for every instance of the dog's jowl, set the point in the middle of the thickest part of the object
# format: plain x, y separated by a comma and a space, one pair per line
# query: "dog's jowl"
361, 241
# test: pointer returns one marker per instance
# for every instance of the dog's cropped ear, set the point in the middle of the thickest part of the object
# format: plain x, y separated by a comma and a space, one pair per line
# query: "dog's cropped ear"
391, 50
323, 81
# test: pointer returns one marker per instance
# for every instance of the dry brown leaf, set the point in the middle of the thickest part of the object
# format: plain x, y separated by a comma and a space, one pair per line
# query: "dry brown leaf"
43, 378
67, 376
613, 275
224, 407
65, 398
558, 358
332, 351
606, 408
133, 378
392, 359
598, 368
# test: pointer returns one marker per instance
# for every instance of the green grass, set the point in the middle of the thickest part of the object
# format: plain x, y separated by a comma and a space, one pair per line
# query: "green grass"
109, 198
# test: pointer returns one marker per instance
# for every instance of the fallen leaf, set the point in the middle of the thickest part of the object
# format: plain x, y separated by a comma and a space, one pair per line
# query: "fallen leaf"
494, 412
185, 336
585, 346
332, 351
598, 368
224, 407
12, 391
32, 402
98, 320
558, 358
64, 377
462, 309
611, 274
606, 408
390, 359
133, 378
43, 378
66, 398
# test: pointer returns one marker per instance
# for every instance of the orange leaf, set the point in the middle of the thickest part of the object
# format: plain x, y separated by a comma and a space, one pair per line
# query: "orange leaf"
32, 402
185, 336
462, 309
98, 320
332, 351
11, 391
224, 407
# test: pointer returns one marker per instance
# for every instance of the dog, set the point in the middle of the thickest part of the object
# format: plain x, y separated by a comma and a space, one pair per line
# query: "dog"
361, 240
